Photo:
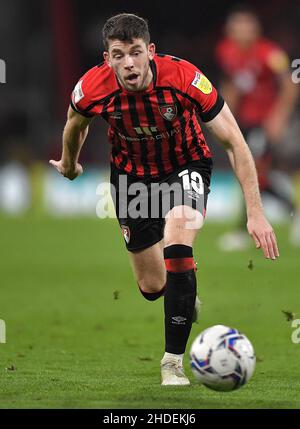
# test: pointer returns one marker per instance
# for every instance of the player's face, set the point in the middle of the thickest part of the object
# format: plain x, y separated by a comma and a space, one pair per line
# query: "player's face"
130, 62
243, 28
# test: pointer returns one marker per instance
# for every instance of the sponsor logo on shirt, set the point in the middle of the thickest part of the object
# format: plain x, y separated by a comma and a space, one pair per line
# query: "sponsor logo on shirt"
161, 136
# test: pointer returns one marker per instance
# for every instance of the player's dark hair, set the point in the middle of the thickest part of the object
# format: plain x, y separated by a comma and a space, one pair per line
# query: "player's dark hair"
125, 27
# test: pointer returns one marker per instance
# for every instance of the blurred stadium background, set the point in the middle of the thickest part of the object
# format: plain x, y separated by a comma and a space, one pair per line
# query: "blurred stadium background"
66, 283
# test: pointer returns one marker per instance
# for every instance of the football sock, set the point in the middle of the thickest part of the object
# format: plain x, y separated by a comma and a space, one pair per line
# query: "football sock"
152, 296
172, 355
180, 295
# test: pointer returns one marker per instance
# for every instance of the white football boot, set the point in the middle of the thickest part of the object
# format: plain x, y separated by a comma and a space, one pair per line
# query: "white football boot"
172, 372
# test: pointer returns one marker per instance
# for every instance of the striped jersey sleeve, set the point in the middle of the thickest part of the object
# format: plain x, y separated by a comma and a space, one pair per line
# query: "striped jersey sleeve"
202, 94
91, 91
81, 100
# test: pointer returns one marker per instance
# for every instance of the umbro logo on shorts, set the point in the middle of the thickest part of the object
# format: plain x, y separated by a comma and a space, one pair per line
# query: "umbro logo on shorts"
178, 320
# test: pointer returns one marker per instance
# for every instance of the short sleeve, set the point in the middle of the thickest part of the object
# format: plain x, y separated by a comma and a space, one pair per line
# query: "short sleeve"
204, 95
81, 101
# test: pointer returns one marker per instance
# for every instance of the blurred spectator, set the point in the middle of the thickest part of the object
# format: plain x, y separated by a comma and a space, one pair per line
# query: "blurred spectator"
257, 86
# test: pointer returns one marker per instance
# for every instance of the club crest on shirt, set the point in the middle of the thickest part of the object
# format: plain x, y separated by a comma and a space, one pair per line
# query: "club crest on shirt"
126, 233
168, 111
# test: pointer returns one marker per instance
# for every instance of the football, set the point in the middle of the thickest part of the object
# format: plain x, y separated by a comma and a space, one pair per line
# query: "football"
222, 358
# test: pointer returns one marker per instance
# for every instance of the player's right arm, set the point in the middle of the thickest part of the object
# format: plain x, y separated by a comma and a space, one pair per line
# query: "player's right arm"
74, 135
219, 120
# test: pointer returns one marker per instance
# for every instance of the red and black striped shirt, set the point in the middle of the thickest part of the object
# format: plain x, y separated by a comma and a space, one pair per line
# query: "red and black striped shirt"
155, 131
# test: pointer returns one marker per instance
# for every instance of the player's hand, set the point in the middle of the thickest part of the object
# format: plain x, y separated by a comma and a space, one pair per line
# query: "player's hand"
263, 236
71, 172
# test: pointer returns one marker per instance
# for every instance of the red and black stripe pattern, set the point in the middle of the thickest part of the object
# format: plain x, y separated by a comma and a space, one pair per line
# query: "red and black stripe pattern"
154, 132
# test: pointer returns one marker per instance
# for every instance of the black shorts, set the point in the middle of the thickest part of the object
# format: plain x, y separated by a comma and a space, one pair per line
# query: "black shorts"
142, 204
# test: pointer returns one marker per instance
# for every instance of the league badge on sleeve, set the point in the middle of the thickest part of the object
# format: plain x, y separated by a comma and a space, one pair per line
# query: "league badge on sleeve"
168, 111
78, 93
202, 83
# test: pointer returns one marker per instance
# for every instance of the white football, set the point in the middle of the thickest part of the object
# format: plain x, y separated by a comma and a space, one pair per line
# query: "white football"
222, 358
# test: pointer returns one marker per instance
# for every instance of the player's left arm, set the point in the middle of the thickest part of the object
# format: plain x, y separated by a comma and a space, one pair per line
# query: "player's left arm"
226, 130
276, 122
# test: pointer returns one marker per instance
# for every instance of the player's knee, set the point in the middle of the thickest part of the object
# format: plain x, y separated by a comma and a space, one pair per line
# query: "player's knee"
182, 232
177, 236
151, 285
185, 218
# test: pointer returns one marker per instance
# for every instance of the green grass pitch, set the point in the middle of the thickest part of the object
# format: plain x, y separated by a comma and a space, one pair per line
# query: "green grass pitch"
80, 335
